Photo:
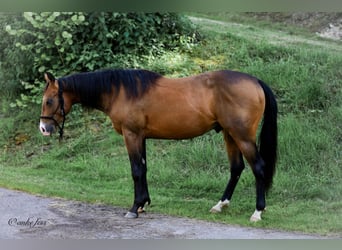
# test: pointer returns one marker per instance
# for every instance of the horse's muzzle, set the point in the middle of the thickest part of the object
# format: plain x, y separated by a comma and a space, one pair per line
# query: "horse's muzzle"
46, 129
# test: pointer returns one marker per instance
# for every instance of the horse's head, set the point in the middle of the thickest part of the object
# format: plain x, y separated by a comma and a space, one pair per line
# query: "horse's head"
53, 107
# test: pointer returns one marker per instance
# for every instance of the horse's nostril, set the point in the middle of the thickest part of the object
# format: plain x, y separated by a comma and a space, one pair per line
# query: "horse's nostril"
42, 129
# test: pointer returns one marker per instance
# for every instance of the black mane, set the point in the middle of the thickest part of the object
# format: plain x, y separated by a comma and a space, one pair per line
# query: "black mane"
91, 85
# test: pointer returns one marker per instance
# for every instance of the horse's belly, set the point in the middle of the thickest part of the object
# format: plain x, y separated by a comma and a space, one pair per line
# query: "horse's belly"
177, 127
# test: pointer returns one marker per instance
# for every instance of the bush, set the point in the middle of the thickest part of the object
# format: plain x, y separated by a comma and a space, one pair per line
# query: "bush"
8, 56
75, 42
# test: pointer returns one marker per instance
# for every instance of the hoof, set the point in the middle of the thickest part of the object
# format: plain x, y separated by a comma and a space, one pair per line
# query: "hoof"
218, 207
131, 215
214, 211
256, 216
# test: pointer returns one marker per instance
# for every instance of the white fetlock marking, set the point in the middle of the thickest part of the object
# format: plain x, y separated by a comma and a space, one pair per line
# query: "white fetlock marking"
141, 210
256, 216
218, 207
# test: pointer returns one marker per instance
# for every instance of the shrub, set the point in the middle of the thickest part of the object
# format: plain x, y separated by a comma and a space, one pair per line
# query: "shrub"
75, 41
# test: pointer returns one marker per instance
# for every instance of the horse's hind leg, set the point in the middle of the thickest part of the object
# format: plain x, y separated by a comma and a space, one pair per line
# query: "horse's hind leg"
250, 152
236, 167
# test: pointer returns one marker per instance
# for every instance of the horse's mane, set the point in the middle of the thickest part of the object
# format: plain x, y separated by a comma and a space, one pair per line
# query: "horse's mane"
90, 86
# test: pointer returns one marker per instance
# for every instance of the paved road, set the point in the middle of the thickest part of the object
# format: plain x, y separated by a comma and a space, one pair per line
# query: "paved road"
33, 217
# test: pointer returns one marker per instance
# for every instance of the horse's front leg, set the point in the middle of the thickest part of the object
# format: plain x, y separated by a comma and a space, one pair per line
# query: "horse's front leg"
136, 147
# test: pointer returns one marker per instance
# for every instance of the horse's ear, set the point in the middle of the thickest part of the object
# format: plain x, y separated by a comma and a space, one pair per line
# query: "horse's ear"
49, 78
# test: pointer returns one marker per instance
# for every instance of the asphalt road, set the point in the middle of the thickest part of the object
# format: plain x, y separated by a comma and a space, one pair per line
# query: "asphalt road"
26, 216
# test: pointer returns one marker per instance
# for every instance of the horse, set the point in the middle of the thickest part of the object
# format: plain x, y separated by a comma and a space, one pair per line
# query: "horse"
142, 105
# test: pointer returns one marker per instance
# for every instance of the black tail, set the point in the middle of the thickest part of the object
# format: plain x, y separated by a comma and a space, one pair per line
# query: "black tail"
268, 138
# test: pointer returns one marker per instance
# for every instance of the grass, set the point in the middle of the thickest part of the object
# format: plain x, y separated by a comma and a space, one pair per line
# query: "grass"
186, 178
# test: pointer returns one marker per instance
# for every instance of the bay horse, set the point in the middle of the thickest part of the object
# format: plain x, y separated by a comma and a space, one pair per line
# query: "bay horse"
143, 104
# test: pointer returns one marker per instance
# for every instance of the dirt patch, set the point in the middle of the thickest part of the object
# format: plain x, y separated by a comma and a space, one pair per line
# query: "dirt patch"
324, 24
25, 216
333, 31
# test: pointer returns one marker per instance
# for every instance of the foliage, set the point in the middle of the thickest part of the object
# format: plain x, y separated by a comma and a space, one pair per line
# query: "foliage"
8, 55
75, 41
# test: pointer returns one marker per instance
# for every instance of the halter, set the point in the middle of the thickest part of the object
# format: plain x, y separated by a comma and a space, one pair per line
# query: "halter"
61, 105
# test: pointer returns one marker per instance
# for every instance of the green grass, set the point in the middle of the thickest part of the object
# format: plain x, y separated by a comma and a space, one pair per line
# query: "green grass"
186, 178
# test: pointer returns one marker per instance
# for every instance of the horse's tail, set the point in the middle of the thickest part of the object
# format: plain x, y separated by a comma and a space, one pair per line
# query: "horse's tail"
268, 138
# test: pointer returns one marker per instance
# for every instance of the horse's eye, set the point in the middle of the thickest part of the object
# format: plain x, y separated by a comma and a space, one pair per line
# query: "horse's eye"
49, 102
